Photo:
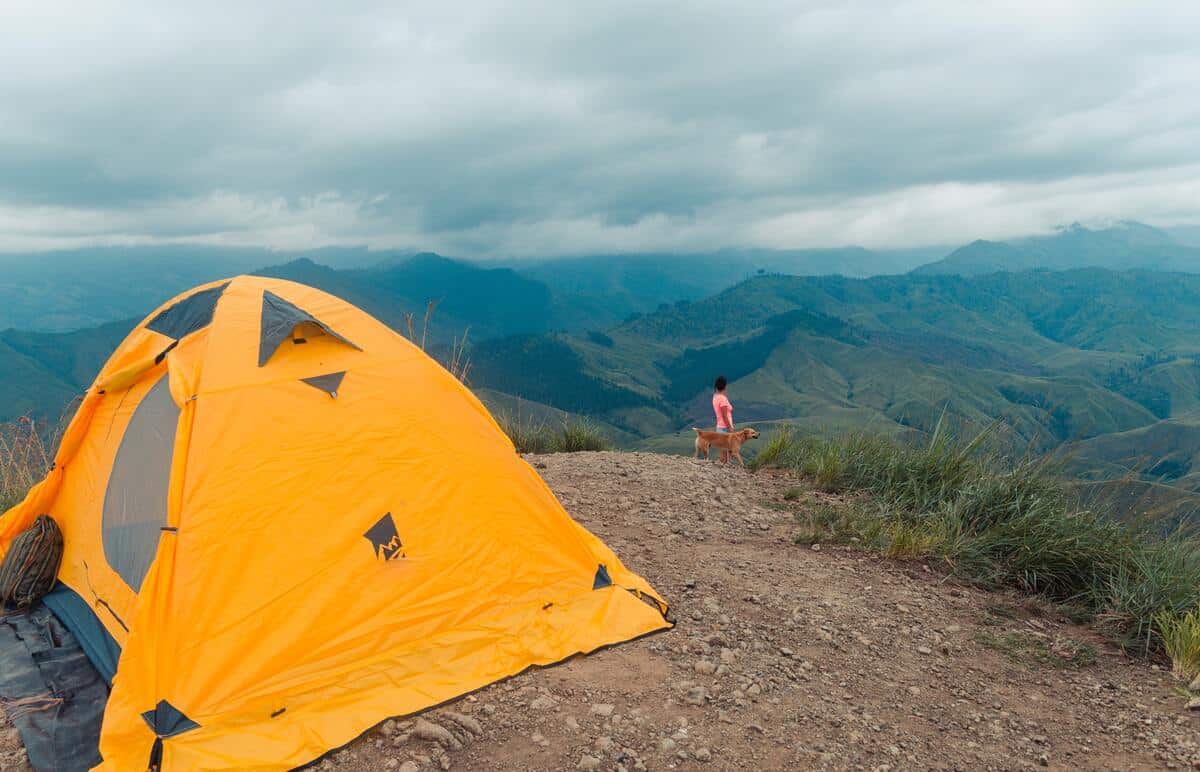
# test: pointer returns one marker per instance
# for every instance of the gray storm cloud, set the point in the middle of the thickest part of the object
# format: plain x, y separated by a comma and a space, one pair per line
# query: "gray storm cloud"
493, 129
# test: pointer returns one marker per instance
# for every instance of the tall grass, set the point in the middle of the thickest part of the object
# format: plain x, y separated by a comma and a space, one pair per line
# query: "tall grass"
1003, 522
571, 435
25, 457
458, 361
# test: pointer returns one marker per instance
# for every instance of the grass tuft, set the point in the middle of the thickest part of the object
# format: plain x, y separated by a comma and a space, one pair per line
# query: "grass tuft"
572, 435
1180, 635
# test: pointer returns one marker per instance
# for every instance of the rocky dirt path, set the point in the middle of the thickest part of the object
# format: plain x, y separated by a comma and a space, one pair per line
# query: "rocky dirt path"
793, 656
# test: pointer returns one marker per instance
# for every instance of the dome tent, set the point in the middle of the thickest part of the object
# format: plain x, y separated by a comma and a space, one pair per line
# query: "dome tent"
285, 523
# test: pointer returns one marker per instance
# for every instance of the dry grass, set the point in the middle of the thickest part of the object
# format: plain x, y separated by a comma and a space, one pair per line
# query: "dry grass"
27, 449
24, 460
458, 363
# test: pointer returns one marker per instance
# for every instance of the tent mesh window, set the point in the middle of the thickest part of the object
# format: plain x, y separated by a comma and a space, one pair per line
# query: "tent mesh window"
135, 502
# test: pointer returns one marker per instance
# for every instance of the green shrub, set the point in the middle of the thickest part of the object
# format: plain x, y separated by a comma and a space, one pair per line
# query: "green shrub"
579, 434
1000, 522
530, 435
527, 434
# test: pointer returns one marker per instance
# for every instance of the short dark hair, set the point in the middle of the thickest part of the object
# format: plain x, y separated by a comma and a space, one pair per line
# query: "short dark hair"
721, 383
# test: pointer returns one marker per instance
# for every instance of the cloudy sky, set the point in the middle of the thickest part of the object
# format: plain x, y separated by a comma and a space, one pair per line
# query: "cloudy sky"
493, 129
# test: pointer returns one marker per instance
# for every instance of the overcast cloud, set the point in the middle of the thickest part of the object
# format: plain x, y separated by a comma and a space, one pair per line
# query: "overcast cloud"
508, 128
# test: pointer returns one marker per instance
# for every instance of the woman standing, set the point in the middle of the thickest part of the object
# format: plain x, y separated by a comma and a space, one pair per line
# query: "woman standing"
724, 411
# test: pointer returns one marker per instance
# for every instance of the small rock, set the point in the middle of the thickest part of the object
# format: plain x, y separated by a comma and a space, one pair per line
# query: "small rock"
785, 651
703, 754
697, 695
538, 739
667, 745
603, 709
542, 703
924, 650
588, 762
388, 729
1194, 703
816, 548
705, 667
427, 730
466, 722
572, 723
604, 744
391, 764
409, 766
1195, 684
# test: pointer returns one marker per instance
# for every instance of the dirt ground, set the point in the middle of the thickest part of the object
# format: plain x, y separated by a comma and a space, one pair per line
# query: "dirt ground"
793, 656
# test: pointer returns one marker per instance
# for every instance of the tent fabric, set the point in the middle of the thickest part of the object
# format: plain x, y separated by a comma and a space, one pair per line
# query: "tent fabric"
323, 564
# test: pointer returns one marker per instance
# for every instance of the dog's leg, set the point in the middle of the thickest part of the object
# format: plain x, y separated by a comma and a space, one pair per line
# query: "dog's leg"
738, 455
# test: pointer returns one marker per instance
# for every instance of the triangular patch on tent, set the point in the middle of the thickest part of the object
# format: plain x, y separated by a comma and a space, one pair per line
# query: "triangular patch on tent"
328, 383
602, 579
384, 538
279, 319
188, 315
166, 720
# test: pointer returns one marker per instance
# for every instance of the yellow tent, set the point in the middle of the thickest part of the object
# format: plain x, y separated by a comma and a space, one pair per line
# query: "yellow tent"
285, 523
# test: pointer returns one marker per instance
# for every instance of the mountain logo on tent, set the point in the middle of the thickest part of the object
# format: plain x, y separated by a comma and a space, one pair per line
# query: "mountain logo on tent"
384, 538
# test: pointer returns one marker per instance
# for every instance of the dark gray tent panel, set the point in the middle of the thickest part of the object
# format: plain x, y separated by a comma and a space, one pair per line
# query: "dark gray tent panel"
93, 637
188, 315
327, 383
135, 502
279, 319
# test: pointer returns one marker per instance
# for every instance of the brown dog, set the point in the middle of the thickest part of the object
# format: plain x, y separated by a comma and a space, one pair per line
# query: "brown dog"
731, 442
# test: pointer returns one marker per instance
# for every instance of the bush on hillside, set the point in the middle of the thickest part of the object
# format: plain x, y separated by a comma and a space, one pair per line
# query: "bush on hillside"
1004, 523
572, 435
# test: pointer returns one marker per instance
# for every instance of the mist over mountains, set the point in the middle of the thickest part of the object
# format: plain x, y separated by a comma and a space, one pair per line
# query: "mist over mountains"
67, 290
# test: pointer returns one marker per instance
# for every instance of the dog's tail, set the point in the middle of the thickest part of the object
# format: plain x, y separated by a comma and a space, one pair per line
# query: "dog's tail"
697, 431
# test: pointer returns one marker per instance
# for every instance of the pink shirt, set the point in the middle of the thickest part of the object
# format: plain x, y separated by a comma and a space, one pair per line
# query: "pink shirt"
721, 401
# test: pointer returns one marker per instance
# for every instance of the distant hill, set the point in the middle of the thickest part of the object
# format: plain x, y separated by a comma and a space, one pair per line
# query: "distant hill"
1127, 245
1057, 357
43, 372
71, 289
488, 301
601, 290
